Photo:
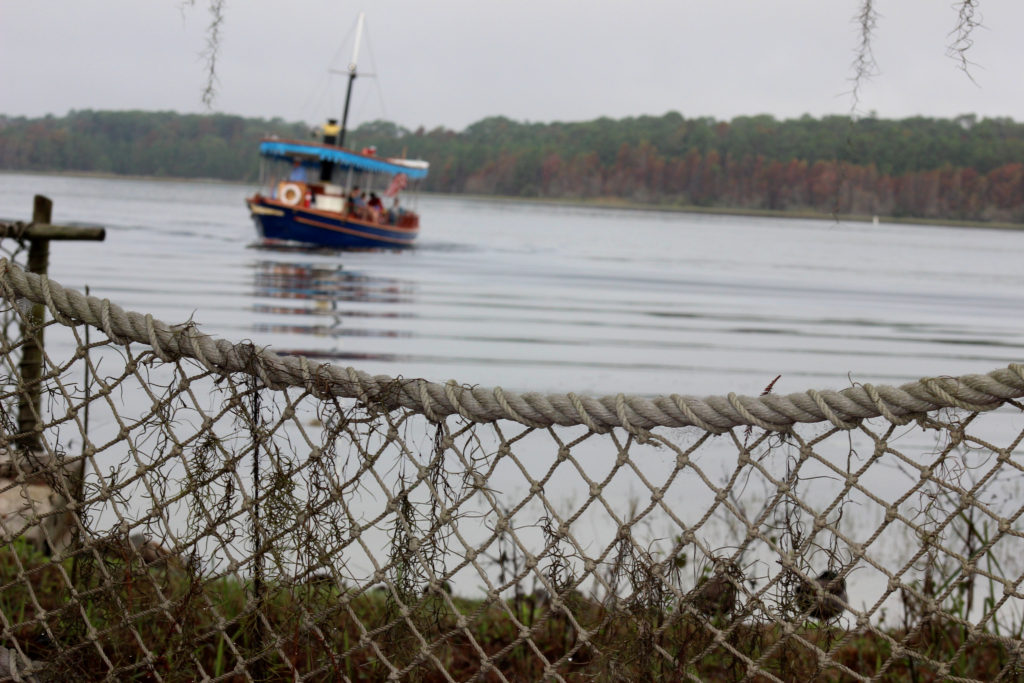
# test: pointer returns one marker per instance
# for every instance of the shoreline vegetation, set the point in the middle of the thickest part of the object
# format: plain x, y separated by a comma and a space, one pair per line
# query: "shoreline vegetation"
611, 203
216, 626
959, 172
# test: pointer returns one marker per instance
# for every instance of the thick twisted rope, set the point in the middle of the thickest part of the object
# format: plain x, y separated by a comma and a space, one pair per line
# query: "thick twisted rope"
716, 414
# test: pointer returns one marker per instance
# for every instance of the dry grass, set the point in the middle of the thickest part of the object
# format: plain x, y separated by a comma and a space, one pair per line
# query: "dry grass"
164, 621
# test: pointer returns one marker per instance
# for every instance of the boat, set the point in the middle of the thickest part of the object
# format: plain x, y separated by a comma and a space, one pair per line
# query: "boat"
318, 192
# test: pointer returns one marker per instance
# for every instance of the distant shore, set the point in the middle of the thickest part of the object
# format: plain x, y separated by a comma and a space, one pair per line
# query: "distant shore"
596, 203
614, 203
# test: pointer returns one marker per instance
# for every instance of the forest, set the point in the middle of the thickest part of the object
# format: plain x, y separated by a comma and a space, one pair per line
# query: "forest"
952, 169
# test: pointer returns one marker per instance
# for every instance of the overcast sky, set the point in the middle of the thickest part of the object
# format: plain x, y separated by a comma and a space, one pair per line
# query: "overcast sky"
452, 62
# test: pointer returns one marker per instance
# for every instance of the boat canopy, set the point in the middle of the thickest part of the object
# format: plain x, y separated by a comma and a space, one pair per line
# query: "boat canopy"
283, 149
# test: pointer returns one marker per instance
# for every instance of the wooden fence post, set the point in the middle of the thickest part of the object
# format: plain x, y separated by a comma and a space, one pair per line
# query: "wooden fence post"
32, 327
39, 233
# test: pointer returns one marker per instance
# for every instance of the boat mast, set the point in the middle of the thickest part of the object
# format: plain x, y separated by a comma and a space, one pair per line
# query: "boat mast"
351, 79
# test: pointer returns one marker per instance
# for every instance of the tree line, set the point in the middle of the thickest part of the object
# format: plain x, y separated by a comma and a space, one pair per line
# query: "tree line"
161, 144
964, 168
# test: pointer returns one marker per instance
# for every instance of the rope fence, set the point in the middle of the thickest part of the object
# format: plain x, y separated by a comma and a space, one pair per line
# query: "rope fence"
176, 507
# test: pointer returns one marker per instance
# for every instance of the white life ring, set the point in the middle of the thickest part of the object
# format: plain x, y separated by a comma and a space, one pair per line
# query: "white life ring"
291, 193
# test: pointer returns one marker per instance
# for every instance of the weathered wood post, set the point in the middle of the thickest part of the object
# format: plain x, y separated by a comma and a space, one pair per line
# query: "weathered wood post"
48, 488
39, 233
30, 369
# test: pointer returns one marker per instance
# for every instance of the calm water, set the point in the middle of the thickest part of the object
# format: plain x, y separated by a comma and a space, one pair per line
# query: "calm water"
556, 299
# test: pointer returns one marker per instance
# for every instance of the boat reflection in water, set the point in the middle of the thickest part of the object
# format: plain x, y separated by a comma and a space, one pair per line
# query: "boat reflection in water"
316, 299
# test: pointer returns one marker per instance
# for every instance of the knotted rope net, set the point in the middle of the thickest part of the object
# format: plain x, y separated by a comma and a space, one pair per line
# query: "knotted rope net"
176, 507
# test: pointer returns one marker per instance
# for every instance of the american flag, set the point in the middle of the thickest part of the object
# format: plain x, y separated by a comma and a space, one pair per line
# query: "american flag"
397, 185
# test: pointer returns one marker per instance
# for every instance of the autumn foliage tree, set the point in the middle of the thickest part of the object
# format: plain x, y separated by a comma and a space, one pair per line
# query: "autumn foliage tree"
962, 168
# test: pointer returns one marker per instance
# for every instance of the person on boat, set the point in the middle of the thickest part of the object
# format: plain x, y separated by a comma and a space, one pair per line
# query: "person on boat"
298, 173
350, 200
395, 214
357, 203
330, 132
375, 206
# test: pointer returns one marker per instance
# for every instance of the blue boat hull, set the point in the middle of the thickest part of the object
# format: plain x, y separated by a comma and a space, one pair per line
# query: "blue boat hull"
278, 221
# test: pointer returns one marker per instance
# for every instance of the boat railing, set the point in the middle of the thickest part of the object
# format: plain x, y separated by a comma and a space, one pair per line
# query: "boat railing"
317, 197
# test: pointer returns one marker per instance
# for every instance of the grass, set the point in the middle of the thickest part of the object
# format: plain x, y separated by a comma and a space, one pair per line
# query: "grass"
133, 622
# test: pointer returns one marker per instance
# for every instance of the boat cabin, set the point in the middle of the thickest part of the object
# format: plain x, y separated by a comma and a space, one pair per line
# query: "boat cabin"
321, 176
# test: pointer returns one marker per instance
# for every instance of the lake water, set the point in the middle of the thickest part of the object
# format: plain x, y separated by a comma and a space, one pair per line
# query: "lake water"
537, 297
547, 298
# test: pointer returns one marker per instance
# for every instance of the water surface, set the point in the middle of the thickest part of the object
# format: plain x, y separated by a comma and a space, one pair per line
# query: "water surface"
550, 298
538, 297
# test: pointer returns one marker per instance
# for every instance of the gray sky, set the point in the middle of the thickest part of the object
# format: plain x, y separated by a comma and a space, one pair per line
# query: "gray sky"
452, 62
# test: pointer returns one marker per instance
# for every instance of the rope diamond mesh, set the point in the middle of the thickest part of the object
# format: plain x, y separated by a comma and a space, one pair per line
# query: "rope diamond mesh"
193, 509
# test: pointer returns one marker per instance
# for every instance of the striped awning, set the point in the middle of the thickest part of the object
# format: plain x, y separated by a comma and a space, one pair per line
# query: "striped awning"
285, 149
